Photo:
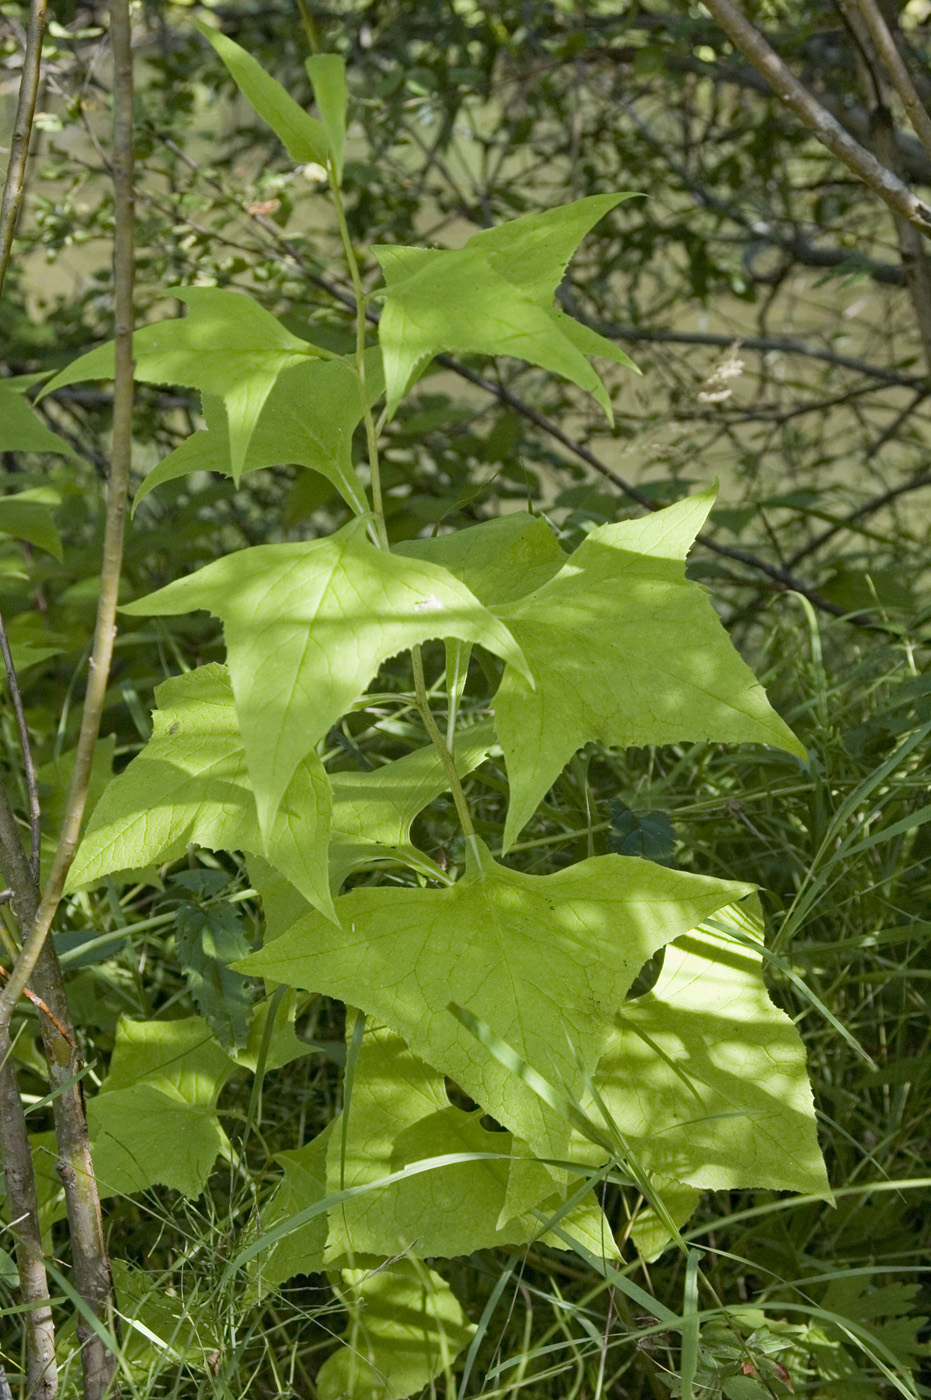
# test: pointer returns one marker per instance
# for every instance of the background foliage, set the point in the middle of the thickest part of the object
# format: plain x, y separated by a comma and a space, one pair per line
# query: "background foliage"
759, 289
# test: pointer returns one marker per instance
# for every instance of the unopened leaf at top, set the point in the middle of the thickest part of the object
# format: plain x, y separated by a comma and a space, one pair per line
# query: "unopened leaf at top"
495, 296
302, 136
327, 72
227, 345
308, 625
625, 650
545, 961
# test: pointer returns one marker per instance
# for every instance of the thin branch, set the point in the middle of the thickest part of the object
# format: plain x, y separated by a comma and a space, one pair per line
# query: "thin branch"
22, 132
817, 118
914, 160
32, 786
902, 81
761, 343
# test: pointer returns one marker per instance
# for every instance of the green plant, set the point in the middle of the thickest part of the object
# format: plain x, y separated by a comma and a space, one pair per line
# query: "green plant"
502, 1056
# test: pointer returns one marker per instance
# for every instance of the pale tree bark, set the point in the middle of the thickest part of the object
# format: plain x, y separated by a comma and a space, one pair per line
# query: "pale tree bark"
37, 961
19, 1176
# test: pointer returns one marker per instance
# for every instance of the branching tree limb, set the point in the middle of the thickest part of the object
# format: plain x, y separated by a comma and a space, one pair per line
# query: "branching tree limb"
895, 66
817, 118
864, 21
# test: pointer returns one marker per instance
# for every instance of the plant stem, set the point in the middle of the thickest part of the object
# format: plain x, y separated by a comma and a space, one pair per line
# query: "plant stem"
371, 434
439, 743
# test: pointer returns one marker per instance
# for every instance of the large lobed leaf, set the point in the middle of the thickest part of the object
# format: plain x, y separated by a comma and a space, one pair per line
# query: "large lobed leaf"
307, 626
706, 1078
493, 297
545, 961
227, 345
307, 420
399, 1113
626, 650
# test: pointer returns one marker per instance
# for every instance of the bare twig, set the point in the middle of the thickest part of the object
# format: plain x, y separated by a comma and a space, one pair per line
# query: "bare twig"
817, 118
32, 786
22, 131
916, 482
915, 264
40, 1005
902, 80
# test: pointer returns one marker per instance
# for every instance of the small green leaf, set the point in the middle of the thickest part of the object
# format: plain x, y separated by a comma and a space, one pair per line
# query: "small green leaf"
373, 812
493, 297
283, 1044
307, 420
307, 626
131, 1130
544, 960
207, 940
30, 516
21, 428
625, 650
327, 72
650, 835
405, 1326
303, 137
227, 345
163, 1084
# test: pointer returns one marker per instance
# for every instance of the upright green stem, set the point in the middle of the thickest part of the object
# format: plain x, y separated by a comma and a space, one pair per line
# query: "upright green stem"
371, 433
439, 743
